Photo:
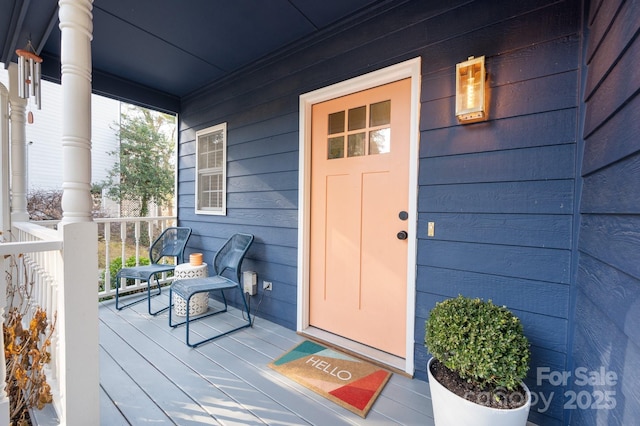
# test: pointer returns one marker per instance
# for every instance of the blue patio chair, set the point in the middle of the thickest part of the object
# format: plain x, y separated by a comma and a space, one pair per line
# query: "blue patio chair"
169, 245
227, 261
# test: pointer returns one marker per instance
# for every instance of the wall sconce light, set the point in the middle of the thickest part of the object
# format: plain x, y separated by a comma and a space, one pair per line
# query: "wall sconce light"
470, 87
29, 74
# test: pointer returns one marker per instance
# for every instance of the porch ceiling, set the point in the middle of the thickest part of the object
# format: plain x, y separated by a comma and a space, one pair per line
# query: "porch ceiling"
158, 51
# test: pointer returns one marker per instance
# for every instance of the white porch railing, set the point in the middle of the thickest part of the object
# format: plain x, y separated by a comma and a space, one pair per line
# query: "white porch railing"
59, 288
60, 265
21, 264
132, 237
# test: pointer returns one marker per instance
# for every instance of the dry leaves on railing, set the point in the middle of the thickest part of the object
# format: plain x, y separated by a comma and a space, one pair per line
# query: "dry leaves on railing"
26, 350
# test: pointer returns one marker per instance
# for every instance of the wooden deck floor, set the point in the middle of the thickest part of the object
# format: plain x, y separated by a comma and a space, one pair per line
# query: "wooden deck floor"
149, 376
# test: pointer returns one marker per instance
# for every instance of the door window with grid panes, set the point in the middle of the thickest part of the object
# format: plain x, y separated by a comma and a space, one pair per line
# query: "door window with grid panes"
360, 131
211, 170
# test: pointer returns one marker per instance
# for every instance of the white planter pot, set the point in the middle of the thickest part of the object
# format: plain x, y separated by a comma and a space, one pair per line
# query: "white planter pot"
451, 410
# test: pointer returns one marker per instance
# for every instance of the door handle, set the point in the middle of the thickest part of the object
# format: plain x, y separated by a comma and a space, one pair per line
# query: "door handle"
402, 235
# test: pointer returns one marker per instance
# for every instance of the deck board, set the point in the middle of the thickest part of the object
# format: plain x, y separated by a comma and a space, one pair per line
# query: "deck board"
109, 414
148, 374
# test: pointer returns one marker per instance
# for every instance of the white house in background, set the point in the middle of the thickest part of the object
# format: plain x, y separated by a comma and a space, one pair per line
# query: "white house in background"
44, 147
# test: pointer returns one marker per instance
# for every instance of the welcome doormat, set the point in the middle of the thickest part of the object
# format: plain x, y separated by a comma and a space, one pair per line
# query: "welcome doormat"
349, 382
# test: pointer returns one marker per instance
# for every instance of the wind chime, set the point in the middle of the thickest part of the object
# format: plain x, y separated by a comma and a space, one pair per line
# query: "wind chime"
29, 73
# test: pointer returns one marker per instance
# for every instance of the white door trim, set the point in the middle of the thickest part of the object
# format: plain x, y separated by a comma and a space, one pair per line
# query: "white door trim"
408, 69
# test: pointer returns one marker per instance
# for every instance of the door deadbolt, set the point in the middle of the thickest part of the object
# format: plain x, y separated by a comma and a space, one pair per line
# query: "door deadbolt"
402, 235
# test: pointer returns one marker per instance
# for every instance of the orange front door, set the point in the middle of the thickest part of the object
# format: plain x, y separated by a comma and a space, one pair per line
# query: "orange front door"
359, 200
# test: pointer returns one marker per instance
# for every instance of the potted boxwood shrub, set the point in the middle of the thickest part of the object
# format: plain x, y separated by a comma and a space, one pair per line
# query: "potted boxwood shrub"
480, 357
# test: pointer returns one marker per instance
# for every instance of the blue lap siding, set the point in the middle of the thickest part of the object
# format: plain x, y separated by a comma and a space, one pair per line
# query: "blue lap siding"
607, 305
521, 217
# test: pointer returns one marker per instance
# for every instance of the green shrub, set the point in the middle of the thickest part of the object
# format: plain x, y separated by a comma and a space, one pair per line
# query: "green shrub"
478, 340
116, 265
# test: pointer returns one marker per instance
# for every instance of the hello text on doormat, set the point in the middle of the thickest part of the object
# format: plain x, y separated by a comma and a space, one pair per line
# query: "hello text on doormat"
349, 382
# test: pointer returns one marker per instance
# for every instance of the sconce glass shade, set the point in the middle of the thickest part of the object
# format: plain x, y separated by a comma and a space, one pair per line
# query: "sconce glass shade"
470, 96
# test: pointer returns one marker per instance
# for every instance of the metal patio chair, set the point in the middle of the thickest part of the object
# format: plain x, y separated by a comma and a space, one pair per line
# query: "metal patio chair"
169, 245
227, 261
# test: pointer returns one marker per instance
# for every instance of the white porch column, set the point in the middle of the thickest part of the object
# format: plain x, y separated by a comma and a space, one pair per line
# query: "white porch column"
78, 326
5, 204
18, 149
77, 299
6, 223
76, 27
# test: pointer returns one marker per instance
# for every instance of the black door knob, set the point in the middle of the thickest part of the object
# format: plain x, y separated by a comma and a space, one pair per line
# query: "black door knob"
402, 235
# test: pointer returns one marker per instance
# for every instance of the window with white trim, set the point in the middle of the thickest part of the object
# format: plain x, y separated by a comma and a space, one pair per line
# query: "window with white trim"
211, 170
